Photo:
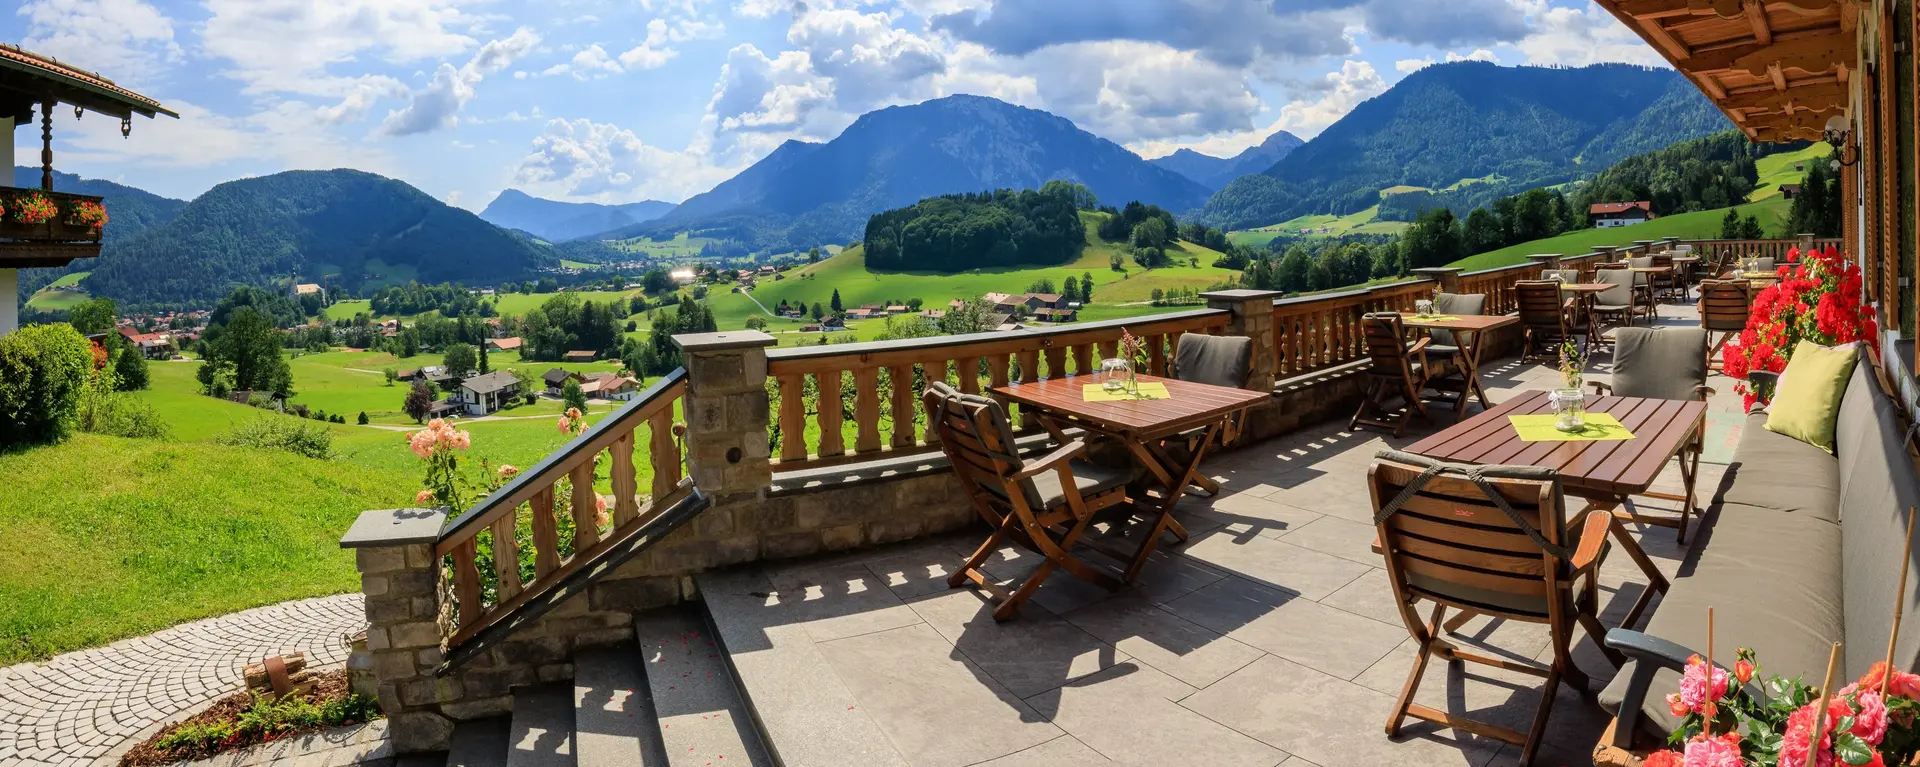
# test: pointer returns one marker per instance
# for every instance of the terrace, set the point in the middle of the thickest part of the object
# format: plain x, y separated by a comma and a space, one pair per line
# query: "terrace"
806, 551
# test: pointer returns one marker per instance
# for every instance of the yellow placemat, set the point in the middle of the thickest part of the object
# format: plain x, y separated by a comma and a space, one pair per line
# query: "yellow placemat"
1432, 318
1601, 427
1759, 275
1147, 390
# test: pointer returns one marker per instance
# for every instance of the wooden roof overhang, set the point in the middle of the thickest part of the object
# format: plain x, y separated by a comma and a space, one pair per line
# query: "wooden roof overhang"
28, 78
1777, 68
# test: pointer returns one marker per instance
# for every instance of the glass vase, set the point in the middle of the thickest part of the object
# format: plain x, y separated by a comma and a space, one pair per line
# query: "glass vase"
1569, 409
1115, 373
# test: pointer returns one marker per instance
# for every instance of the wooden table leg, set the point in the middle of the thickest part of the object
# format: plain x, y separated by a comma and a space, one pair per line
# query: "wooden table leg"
1470, 353
1163, 517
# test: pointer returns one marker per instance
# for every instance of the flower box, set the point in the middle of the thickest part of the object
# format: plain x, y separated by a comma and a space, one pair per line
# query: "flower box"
39, 216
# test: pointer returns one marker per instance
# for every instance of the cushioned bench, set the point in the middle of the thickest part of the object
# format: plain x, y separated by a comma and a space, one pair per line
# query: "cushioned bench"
1799, 549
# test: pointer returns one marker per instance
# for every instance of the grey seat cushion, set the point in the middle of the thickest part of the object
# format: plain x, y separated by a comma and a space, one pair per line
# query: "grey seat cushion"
1660, 364
1877, 486
1090, 478
1454, 305
1213, 360
1737, 558
1778, 472
1618, 297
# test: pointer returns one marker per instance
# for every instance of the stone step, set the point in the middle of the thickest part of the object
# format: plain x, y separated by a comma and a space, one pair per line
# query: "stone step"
480, 743
807, 715
542, 730
613, 717
702, 718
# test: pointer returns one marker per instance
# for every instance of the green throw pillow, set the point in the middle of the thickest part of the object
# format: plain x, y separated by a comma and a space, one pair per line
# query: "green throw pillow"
1807, 403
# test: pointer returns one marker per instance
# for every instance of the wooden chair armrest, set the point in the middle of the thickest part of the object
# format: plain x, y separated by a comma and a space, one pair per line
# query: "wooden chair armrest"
1420, 346
1593, 538
1050, 461
1601, 388
1704, 391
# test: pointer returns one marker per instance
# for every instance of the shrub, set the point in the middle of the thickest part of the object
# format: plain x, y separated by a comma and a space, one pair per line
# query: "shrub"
43, 369
363, 418
105, 410
280, 434
130, 366
572, 396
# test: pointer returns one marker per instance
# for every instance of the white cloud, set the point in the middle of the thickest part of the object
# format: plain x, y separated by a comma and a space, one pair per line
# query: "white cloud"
439, 104
583, 159
1354, 83
287, 45
1130, 91
592, 62
284, 137
124, 39
651, 53
868, 59
1577, 37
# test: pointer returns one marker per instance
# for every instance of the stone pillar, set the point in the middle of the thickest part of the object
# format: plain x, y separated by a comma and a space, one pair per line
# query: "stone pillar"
1806, 242
1608, 253
401, 579
1547, 261
1250, 314
727, 413
1447, 276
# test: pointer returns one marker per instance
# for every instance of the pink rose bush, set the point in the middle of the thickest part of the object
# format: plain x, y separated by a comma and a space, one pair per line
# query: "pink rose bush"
1869, 723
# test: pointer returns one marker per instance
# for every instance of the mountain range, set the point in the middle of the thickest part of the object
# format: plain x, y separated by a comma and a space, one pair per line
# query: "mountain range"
347, 228
1214, 172
555, 221
805, 194
1499, 129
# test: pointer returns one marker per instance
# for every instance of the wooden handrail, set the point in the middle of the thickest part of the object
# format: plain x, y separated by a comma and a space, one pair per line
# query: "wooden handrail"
1317, 332
535, 490
886, 377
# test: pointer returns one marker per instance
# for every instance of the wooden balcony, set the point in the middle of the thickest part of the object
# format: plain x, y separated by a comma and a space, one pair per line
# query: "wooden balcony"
54, 242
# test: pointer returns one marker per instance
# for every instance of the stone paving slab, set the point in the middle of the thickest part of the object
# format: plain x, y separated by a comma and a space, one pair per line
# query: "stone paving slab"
82, 706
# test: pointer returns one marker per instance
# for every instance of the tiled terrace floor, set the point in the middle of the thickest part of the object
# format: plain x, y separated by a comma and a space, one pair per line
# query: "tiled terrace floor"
1270, 638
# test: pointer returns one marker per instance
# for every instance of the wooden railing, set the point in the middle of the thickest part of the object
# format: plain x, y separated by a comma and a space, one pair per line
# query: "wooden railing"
1497, 286
512, 546
1738, 249
64, 226
818, 421
1317, 332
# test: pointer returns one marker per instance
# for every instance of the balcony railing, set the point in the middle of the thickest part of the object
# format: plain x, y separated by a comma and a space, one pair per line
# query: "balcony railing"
1312, 333
814, 427
66, 225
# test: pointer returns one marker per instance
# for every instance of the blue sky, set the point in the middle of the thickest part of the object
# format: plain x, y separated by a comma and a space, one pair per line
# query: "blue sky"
620, 100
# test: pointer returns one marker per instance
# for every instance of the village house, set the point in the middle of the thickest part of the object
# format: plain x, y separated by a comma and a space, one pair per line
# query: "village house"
1050, 314
1038, 301
933, 314
1789, 191
308, 288
859, 314
811, 327
153, 346
610, 386
1606, 215
510, 344
556, 379
486, 393
580, 355
893, 309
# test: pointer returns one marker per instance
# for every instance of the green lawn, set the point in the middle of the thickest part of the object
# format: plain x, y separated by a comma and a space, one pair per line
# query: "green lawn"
1698, 225
508, 303
60, 295
1354, 223
1779, 169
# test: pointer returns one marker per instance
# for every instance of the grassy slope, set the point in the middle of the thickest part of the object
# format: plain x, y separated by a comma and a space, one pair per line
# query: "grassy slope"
1354, 223
1703, 224
339, 382
508, 303
50, 299
1778, 169
847, 273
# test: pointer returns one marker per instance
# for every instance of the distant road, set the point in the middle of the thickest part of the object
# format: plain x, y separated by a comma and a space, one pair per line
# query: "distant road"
756, 302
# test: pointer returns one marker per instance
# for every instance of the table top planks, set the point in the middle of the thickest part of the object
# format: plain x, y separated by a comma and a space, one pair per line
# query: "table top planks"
1189, 404
1466, 322
1620, 467
1586, 287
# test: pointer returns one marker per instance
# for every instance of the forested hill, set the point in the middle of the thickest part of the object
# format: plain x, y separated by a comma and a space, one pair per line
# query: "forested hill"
806, 194
345, 227
1501, 129
130, 211
958, 232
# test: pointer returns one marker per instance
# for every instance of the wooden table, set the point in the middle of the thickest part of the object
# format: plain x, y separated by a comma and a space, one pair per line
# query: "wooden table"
1584, 292
1142, 426
1605, 472
1474, 324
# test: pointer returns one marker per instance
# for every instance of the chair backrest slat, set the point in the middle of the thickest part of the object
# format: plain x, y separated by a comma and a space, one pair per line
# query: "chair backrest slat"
1540, 302
1386, 343
1451, 542
1724, 305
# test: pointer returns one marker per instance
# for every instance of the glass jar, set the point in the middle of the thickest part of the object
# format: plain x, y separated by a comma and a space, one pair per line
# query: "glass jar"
1569, 409
1115, 373
1423, 308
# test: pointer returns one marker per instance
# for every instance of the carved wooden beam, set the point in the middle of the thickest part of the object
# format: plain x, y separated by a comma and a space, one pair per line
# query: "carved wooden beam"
1801, 95
1757, 16
1658, 35
1812, 55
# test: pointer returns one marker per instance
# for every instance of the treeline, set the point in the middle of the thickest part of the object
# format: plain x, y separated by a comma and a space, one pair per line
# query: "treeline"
566, 322
1325, 264
957, 232
1816, 209
1703, 174
450, 299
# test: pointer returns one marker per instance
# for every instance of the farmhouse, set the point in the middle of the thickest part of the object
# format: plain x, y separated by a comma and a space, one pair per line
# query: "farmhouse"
1050, 314
1789, 191
504, 344
581, 355
1611, 214
610, 386
309, 289
486, 393
153, 346
556, 379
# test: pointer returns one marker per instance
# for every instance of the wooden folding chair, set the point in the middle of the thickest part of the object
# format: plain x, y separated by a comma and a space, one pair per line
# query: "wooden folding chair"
1396, 369
1043, 504
1545, 313
1724, 305
1215, 361
1492, 540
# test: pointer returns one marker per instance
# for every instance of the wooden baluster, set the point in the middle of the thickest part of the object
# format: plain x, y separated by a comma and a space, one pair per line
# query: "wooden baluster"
1108, 350
1083, 360
793, 418
935, 371
904, 405
866, 409
586, 531
626, 483
967, 370
664, 452
546, 540
1056, 362
1157, 355
831, 441
1029, 372
506, 555
997, 370
466, 583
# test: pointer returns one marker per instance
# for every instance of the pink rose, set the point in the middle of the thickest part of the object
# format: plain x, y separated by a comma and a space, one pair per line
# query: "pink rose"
508, 470
462, 440
1870, 714
1693, 685
599, 503
1722, 751
565, 426
436, 423
573, 412
423, 496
